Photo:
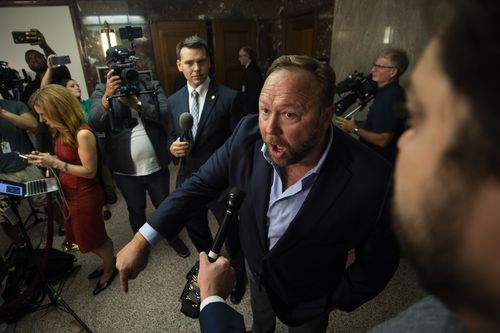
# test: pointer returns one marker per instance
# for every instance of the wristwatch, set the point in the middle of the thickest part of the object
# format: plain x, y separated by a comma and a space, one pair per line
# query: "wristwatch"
356, 130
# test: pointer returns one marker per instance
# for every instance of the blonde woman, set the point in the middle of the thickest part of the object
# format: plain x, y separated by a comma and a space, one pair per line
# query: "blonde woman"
77, 160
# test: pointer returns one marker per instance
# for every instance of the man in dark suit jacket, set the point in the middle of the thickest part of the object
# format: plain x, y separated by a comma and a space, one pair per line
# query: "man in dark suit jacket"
301, 176
219, 111
252, 80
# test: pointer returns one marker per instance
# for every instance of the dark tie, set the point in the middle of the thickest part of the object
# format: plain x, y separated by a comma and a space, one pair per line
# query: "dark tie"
195, 112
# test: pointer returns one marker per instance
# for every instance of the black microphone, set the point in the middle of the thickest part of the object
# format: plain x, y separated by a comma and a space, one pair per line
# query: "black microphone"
234, 201
190, 296
186, 123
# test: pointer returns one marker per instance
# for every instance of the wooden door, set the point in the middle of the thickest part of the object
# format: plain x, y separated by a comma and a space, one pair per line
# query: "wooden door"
301, 35
165, 36
229, 37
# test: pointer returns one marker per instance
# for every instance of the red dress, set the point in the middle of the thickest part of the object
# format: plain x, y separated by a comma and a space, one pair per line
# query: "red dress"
85, 198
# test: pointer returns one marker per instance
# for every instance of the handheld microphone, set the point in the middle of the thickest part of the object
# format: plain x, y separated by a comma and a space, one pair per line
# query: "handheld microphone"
186, 123
190, 297
234, 201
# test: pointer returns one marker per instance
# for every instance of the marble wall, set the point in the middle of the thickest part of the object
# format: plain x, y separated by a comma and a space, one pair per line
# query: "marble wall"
362, 28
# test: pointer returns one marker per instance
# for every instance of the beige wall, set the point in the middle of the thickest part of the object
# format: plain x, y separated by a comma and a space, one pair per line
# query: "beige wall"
359, 28
55, 24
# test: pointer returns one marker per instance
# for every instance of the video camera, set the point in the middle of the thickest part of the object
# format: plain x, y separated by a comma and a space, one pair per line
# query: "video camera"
362, 88
123, 63
9, 79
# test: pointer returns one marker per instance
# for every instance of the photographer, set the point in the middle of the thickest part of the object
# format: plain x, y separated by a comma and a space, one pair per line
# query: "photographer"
135, 123
37, 62
15, 119
383, 124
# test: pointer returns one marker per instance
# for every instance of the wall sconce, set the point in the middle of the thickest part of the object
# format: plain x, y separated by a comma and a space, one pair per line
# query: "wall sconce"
108, 37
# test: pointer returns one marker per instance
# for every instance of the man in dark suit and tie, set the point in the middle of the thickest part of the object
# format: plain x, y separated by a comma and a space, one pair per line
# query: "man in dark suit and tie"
216, 110
301, 176
252, 80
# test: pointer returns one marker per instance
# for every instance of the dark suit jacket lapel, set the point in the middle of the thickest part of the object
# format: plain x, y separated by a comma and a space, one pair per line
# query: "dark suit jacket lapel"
261, 185
184, 103
210, 99
330, 183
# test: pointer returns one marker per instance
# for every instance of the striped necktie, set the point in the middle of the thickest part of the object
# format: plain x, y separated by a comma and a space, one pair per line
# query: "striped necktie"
195, 112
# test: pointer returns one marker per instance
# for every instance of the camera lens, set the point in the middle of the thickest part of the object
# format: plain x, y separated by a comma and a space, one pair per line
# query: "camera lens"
130, 75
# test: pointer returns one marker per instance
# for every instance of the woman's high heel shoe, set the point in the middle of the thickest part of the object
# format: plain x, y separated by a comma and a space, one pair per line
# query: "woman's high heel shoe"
101, 286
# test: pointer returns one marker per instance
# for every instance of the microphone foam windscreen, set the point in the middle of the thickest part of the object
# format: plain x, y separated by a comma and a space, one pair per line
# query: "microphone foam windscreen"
186, 121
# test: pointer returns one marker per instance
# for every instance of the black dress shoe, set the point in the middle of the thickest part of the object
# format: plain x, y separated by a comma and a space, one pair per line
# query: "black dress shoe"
178, 245
95, 274
101, 286
238, 290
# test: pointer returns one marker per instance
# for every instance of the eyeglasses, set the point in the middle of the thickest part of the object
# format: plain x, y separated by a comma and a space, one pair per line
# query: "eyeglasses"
382, 66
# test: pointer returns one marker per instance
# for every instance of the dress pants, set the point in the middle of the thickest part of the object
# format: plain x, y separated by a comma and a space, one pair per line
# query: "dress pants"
264, 318
134, 189
201, 236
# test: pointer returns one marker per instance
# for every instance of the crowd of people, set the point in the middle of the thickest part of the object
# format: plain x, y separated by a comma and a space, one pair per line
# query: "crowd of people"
428, 182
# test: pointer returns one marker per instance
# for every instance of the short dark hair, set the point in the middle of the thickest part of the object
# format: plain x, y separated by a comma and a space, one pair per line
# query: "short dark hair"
249, 51
322, 71
32, 51
468, 53
191, 42
398, 59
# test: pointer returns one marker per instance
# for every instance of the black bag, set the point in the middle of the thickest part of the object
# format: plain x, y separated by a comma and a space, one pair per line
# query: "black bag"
23, 290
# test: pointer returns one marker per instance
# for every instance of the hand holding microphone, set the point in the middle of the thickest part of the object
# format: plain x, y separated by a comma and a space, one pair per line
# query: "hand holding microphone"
216, 279
181, 147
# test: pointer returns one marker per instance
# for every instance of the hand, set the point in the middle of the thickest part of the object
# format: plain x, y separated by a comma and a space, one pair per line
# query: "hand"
180, 148
36, 38
132, 259
347, 125
112, 84
215, 279
49, 62
129, 100
44, 160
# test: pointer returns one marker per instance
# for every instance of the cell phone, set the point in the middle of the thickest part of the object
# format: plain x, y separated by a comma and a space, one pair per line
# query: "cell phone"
130, 33
20, 37
60, 60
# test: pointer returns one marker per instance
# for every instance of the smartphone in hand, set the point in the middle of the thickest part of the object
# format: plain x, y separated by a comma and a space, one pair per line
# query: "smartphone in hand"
21, 37
60, 60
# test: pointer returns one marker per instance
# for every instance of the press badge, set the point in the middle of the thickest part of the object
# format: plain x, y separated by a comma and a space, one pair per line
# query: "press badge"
5, 147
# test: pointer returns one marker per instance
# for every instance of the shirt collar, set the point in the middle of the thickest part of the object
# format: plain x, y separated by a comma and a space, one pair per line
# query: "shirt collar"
202, 89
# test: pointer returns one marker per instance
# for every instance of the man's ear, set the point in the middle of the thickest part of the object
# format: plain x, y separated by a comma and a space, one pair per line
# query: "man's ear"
328, 114
178, 62
394, 72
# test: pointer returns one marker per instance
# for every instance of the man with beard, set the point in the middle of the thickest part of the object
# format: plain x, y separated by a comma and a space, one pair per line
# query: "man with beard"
37, 62
447, 190
301, 177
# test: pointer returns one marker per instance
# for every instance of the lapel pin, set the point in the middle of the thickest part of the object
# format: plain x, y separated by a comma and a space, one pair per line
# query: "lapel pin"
213, 97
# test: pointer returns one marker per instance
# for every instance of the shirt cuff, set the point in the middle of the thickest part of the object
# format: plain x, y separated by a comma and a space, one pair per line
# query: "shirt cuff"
150, 234
210, 299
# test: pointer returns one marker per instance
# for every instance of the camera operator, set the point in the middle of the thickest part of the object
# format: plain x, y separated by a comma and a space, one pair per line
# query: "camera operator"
15, 119
383, 124
136, 136
37, 62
